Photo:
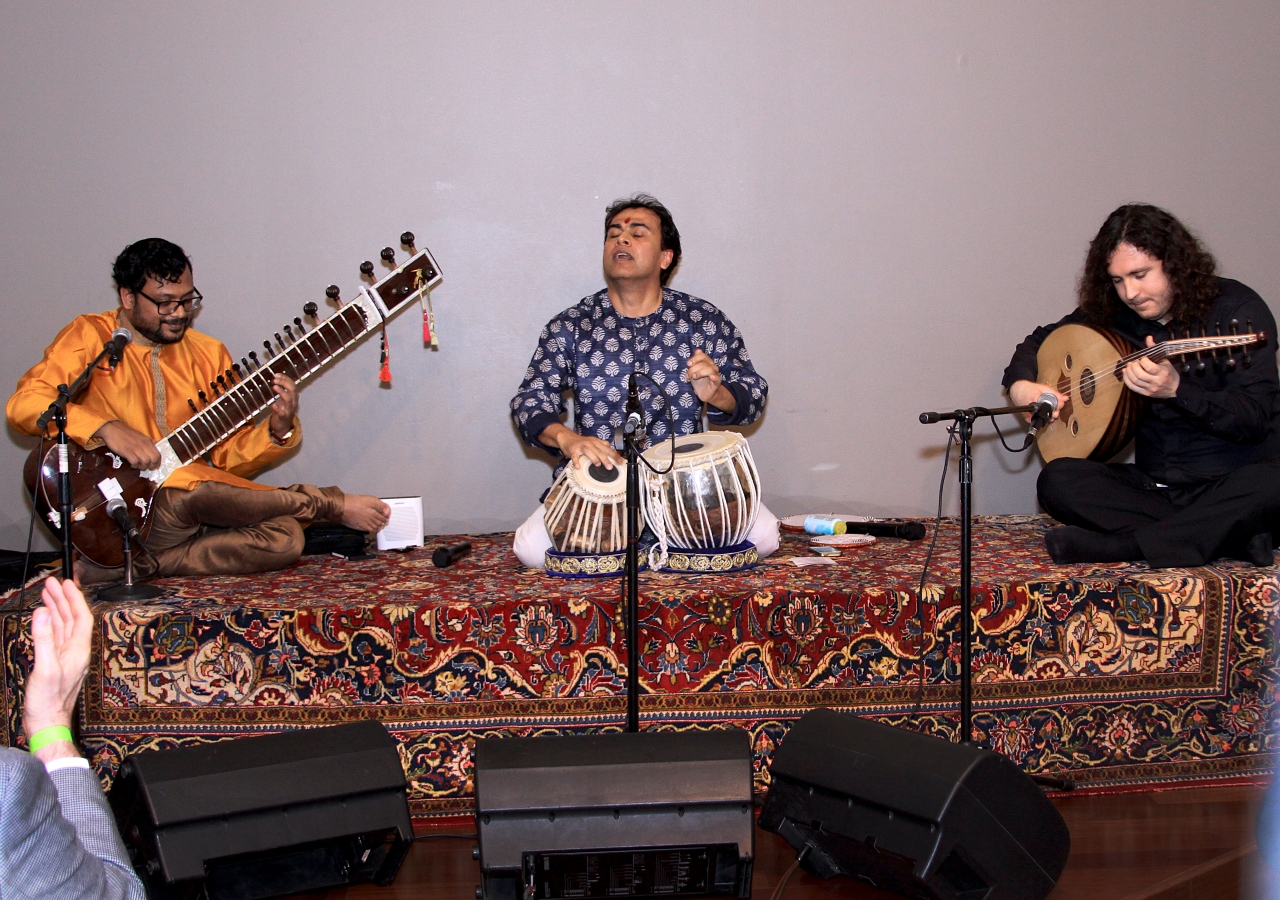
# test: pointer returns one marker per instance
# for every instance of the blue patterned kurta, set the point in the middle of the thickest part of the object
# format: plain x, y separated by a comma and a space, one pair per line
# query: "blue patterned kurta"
590, 350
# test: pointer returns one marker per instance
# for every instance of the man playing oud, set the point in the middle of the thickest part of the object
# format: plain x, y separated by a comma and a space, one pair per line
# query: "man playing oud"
1206, 478
207, 518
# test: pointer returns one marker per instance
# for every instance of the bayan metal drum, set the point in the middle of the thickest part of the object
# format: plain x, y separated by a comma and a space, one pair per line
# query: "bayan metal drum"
711, 496
585, 510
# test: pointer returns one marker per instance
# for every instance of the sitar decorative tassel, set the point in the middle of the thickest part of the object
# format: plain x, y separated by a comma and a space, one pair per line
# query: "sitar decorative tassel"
428, 311
385, 375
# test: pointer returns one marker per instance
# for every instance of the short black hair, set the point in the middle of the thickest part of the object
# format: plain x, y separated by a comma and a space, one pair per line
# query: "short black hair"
670, 234
149, 258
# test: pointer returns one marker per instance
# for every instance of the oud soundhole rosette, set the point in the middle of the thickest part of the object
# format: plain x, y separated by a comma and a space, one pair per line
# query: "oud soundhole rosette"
1088, 387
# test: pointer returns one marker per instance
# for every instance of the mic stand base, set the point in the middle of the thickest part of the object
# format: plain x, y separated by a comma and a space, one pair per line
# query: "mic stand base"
128, 590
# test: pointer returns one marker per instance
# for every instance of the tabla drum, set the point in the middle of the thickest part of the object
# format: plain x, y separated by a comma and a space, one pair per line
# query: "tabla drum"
586, 509
711, 496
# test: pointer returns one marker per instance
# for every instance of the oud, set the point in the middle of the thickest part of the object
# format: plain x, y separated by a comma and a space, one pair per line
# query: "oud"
1087, 364
239, 396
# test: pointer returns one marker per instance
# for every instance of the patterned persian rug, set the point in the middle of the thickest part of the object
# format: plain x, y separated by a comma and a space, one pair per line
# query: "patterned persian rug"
1121, 675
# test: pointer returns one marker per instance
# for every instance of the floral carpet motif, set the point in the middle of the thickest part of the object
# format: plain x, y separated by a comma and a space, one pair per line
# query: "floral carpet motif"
1119, 674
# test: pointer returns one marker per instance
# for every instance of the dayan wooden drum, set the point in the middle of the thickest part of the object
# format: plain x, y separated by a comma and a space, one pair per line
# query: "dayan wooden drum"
586, 509
711, 496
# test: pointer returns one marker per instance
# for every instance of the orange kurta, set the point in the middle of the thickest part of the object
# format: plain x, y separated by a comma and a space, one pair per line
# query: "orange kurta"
129, 394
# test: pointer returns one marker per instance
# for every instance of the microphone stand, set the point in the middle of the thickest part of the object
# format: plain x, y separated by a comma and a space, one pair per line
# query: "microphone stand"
57, 413
964, 419
632, 434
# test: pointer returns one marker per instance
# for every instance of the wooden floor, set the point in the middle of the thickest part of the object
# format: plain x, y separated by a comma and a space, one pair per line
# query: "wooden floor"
1193, 844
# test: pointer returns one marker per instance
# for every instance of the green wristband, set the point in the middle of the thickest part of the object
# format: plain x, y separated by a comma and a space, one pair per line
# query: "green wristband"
51, 735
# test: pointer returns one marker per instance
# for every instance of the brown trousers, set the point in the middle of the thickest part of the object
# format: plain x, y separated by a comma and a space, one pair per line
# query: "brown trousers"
218, 529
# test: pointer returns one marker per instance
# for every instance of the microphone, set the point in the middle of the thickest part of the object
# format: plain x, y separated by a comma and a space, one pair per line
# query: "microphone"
1046, 403
635, 413
448, 554
910, 531
117, 509
120, 339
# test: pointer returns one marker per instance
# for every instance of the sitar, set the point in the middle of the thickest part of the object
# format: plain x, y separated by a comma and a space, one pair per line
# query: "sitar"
1087, 364
235, 399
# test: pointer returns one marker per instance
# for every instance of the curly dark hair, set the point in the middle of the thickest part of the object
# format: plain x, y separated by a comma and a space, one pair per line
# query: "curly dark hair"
156, 258
670, 234
1188, 265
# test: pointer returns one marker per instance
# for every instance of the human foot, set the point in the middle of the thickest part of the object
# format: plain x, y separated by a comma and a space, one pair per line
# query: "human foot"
365, 513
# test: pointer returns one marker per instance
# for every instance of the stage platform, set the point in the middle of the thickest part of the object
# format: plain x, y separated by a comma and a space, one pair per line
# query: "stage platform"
1122, 676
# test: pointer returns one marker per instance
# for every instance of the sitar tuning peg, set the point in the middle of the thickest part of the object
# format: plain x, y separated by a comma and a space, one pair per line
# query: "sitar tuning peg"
289, 332
366, 269
222, 384
239, 371
333, 294
298, 322
267, 346
388, 256
192, 404
253, 356
406, 240
203, 397
310, 310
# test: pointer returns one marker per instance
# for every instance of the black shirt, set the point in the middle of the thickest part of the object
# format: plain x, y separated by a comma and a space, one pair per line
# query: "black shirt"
1220, 420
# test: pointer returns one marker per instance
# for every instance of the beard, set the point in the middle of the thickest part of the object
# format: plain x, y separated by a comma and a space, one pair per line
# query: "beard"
156, 336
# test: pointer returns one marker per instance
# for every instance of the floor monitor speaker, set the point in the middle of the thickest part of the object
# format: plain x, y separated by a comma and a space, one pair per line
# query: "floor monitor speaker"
266, 816
912, 814
647, 814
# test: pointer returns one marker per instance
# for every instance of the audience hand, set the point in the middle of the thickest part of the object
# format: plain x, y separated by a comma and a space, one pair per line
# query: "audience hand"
61, 633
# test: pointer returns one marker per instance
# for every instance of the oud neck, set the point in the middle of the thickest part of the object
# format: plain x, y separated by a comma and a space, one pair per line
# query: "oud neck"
247, 398
1172, 349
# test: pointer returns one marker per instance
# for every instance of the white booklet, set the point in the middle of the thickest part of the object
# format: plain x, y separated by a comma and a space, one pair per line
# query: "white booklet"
404, 529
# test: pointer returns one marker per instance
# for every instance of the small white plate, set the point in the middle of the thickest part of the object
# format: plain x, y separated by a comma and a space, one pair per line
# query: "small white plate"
796, 523
843, 540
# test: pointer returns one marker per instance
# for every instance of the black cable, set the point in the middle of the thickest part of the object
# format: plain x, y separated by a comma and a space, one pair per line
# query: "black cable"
996, 425
671, 426
31, 527
928, 557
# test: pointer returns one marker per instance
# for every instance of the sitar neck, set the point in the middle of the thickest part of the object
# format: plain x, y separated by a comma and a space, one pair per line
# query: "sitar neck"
244, 399
242, 402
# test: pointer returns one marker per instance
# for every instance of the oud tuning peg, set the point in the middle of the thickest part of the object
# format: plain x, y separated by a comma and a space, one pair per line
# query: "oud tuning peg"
334, 294
310, 310
366, 269
388, 256
406, 240
1200, 366
1235, 326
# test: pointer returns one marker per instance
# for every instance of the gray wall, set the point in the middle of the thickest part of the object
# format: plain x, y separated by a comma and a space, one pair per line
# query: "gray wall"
885, 197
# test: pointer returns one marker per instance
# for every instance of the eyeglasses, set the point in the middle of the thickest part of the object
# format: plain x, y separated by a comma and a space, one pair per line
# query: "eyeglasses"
168, 307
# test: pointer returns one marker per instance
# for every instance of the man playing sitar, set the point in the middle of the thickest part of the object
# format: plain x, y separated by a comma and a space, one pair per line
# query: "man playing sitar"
1205, 482
206, 518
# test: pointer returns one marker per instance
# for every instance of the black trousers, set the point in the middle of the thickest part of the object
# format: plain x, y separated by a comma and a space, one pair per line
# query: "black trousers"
1185, 525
